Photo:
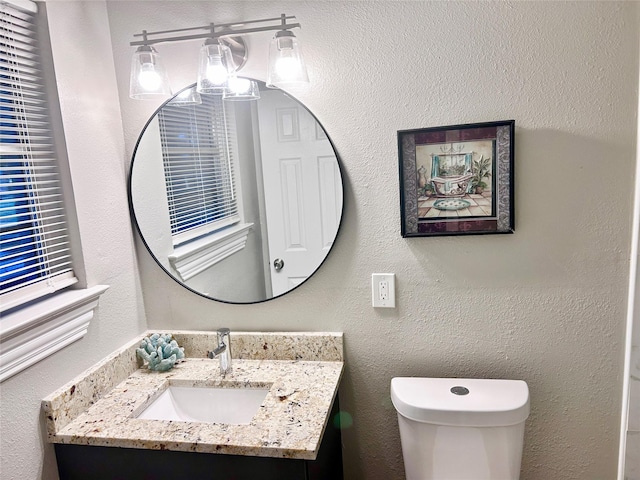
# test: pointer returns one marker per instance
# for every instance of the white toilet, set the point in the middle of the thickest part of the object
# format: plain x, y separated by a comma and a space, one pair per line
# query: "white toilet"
461, 429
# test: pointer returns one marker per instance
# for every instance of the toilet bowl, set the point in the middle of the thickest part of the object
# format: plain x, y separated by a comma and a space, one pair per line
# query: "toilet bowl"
461, 429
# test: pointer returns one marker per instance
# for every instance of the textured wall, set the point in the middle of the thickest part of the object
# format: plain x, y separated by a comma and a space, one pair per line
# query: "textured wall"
93, 128
546, 304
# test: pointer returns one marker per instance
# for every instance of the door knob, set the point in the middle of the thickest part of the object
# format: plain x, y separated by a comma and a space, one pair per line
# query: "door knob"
278, 263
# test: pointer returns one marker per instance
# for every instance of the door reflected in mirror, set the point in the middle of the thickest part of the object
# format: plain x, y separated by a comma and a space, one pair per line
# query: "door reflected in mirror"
239, 201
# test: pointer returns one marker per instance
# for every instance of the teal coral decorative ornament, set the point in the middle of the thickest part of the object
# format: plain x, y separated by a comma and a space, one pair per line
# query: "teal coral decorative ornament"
160, 352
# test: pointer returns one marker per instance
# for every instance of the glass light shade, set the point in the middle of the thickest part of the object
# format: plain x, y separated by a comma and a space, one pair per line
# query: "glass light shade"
215, 67
149, 79
188, 96
286, 63
241, 89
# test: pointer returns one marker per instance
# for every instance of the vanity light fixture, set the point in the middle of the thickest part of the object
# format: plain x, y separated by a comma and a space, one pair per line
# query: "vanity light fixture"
188, 96
286, 64
149, 78
241, 89
216, 66
224, 53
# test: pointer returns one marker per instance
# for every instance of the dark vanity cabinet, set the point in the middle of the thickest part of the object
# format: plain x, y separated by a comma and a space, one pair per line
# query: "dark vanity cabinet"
82, 462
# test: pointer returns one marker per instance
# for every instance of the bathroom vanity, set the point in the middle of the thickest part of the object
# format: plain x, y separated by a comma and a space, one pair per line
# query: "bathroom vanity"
294, 434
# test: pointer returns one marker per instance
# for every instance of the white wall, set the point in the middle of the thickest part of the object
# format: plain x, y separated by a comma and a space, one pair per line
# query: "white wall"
546, 304
93, 128
629, 454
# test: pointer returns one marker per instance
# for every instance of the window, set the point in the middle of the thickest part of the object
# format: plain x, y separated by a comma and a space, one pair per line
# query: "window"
35, 257
199, 171
199, 148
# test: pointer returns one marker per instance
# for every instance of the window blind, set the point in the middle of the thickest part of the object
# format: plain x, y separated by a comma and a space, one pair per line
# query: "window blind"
35, 257
199, 171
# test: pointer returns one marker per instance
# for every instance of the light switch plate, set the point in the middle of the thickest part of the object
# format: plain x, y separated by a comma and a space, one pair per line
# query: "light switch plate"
383, 290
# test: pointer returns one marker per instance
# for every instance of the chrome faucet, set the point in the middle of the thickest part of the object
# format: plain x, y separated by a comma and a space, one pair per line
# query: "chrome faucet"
223, 350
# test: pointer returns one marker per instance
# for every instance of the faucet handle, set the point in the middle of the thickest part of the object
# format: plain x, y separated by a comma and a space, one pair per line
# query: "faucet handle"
224, 350
224, 340
223, 343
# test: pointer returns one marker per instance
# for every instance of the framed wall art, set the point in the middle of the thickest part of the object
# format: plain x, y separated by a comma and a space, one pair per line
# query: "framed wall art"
457, 180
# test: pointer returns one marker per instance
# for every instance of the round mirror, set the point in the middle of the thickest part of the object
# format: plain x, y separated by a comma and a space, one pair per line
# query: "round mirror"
237, 197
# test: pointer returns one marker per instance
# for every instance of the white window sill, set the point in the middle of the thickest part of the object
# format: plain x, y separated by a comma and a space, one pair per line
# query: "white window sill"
195, 257
34, 332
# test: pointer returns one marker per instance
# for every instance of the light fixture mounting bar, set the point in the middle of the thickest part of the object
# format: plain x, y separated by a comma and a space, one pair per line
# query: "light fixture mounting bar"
209, 31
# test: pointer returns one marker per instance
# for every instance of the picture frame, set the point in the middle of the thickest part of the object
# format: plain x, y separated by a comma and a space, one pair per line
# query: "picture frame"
457, 179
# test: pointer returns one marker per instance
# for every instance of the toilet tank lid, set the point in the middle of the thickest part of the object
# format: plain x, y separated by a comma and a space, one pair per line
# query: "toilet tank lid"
470, 402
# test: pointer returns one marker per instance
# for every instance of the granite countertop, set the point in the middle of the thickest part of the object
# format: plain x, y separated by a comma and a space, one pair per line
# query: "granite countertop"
302, 372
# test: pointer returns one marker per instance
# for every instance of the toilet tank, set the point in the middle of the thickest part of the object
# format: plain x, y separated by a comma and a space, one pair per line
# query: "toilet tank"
461, 429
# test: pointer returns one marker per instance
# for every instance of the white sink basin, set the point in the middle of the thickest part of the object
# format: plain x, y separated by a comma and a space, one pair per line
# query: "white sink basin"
209, 405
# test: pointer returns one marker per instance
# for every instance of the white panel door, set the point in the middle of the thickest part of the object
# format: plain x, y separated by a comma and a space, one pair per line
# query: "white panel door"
303, 189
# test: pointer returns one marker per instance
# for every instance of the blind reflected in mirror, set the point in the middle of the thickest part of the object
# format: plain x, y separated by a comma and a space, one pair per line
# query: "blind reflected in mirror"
238, 201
